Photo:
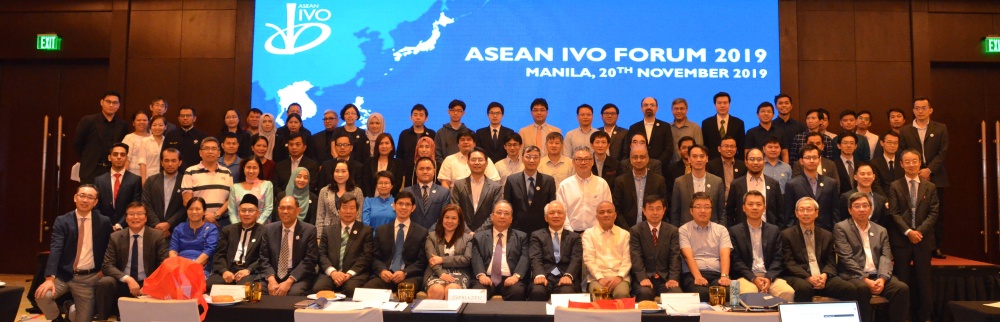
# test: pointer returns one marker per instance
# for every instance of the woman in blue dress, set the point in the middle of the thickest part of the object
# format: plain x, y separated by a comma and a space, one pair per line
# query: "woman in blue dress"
194, 239
377, 210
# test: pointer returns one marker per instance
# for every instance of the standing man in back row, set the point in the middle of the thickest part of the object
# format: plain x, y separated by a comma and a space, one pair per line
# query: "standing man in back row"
931, 139
659, 137
95, 134
723, 124
447, 137
537, 132
492, 138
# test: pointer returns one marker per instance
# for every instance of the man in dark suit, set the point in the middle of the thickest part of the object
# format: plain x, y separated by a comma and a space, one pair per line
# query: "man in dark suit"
490, 138
865, 178
117, 188
846, 162
660, 138
162, 194
655, 250
915, 208
296, 158
429, 197
288, 253
811, 184
685, 187
632, 187
399, 255
757, 181
529, 191
321, 144
826, 166
875, 272
125, 266
95, 134
811, 269
758, 265
722, 124
556, 256
345, 251
342, 148
931, 139
500, 273
477, 208
655, 165
679, 167
886, 164
726, 166
236, 259
79, 241
605, 166
619, 135
186, 138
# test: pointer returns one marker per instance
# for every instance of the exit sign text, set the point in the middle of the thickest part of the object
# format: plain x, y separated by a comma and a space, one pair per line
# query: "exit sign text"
993, 44
48, 42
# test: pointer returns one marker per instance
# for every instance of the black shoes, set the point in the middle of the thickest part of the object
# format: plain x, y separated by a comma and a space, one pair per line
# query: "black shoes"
938, 254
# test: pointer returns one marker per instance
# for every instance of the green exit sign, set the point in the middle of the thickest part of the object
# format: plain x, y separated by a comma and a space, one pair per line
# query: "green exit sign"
48, 42
992, 45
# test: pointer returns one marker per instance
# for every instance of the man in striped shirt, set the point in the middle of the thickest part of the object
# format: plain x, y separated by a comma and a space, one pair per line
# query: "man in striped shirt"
209, 181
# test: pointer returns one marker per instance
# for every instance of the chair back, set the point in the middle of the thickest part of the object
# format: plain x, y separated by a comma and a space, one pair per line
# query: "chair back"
587, 315
368, 315
10, 300
713, 316
153, 310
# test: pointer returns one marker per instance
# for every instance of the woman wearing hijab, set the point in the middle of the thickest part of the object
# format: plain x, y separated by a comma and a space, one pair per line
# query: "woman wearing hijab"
425, 148
250, 183
268, 131
329, 197
358, 136
299, 188
376, 126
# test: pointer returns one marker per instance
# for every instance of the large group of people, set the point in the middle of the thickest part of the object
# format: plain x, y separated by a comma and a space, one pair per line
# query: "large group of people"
785, 207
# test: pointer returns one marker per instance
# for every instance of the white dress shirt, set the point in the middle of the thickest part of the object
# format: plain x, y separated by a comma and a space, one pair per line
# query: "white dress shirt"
291, 245
504, 268
581, 197
869, 267
128, 264
87, 249
456, 167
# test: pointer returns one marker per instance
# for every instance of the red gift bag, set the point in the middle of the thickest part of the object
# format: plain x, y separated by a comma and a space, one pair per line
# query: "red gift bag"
618, 304
178, 278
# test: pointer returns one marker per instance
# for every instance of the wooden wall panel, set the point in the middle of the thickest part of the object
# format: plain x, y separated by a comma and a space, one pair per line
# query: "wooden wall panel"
789, 50
959, 37
155, 34
825, 5
828, 84
151, 78
881, 86
54, 5
882, 5
208, 33
242, 74
208, 85
826, 35
209, 4
882, 36
963, 6
85, 34
140, 5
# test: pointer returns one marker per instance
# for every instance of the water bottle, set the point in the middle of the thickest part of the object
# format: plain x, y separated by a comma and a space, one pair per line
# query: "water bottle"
734, 294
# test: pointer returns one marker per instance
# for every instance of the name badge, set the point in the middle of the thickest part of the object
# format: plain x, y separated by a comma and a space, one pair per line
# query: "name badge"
563, 299
372, 294
467, 296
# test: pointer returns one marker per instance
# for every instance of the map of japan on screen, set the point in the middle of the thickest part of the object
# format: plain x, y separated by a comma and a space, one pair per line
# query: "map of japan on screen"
386, 56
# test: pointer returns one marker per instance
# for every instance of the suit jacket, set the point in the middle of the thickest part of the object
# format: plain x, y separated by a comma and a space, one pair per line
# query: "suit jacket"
152, 194
627, 203
229, 243
880, 213
517, 253
713, 139
927, 212
654, 166
609, 171
414, 255
828, 196
319, 148
851, 252
90, 143
461, 195
426, 214
660, 142
529, 215
844, 176
459, 259
359, 171
883, 178
674, 171
154, 251
742, 254
619, 142
680, 201
283, 173
648, 260
543, 258
357, 253
281, 137
715, 167
304, 251
368, 178
773, 202
129, 190
796, 257
827, 168
484, 140
935, 148
62, 253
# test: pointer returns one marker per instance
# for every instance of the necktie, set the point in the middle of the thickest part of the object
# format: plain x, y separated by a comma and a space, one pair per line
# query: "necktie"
722, 129
79, 241
397, 251
495, 273
892, 167
118, 183
850, 171
811, 249
531, 189
283, 255
134, 262
343, 244
656, 237
812, 183
539, 140
913, 203
494, 137
425, 196
555, 252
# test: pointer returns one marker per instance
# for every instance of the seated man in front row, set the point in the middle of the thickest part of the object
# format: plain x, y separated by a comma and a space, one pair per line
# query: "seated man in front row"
345, 251
500, 256
655, 251
288, 253
855, 238
399, 248
756, 255
705, 246
125, 265
606, 253
236, 257
556, 256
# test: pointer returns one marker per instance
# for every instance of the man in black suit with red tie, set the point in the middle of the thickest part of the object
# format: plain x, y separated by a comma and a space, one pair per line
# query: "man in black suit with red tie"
722, 124
345, 251
656, 259
117, 188
659, 137
399, 255
914, 207
491, 138
288, 254
236, 257
529, 191
552, 275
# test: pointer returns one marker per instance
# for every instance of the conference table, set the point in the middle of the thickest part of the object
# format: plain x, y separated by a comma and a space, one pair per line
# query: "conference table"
281, 308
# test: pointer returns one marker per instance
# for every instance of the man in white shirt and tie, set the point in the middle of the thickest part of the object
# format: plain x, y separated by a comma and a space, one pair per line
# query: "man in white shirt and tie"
500, 257
133, 254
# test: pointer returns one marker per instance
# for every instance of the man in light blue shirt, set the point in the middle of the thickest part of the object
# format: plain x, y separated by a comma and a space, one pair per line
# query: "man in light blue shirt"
773, 166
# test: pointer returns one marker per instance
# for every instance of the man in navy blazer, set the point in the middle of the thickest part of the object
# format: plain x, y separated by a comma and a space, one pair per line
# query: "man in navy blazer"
624, 194
755, 177
426, 210
67, 271
552, 275
933, 147
343, 272
299, 271
656, 260
528, 206
758, 274
722, 119
500, 273
810, 183
911, 234
113, 204
399, 248
491, 138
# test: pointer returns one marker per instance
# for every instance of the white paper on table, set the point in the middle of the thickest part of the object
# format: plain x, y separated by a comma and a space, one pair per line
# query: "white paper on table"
550, 309
563, 299
680, 303
393, 306
238, 292
346, 306
996, 304
437, 305
371, 294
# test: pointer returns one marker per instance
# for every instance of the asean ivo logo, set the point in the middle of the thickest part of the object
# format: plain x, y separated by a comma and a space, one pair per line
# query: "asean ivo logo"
306, 14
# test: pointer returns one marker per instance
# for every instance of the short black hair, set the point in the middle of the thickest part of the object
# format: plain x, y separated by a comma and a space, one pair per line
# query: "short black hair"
118, 145
763, 105
846, 134
255, 110
609, 106
419, 107
297, 135
513, 136
780, 96
721, 94
685, 139
651, 199
494, 104
458, 103
599, 134
890, 133
888, 114
539, 101
406, 195
846, 113
189, 107
464, 133
116, 94
584, 106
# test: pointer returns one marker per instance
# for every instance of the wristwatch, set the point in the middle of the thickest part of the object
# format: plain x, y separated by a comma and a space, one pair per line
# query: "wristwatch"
724, 275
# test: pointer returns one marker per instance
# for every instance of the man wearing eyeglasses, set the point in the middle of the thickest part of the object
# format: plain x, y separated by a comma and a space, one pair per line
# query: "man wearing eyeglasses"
321, 151
133, 254
95, 134
186, 138
619, 135
930, 138
492, 138
582, 192
476, 194
915, 209
811, 184
118, 188
235, 259
209, 181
